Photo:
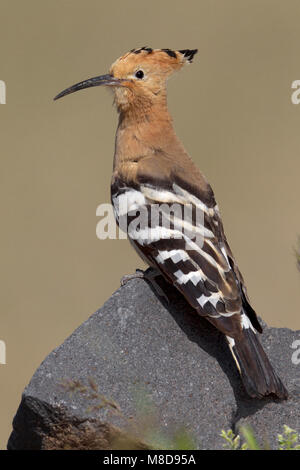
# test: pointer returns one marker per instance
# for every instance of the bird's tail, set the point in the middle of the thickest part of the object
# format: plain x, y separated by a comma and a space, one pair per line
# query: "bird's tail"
257, 374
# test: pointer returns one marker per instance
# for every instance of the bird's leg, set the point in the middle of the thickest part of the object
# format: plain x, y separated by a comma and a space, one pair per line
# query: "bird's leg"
149, 275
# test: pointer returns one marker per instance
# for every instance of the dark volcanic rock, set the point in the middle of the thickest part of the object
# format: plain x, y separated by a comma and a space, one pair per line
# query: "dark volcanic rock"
137, 347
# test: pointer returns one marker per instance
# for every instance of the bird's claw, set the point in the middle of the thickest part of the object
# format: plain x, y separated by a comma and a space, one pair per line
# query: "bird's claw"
149, 275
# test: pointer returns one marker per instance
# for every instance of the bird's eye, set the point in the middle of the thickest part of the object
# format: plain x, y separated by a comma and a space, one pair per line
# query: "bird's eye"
139, 74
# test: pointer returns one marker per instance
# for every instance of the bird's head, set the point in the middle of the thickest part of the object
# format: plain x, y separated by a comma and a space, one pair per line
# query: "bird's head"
139, 76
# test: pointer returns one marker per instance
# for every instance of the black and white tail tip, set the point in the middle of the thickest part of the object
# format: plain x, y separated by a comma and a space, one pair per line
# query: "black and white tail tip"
257, 374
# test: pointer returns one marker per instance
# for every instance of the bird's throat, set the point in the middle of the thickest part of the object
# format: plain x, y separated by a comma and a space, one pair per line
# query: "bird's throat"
141, 132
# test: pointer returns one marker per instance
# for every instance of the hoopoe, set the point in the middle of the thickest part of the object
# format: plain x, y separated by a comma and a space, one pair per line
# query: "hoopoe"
151, 167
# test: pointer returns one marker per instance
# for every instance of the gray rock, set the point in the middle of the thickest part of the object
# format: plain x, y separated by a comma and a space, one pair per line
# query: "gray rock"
138, 348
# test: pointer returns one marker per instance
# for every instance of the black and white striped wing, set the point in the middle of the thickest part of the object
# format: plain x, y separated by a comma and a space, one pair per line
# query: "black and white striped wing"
190, 252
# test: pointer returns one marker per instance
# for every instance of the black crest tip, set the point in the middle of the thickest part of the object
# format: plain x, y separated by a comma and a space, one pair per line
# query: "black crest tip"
140, 49
189, 53
170, 53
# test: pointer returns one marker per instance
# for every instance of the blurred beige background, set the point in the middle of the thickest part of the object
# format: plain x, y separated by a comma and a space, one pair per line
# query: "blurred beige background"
232, 109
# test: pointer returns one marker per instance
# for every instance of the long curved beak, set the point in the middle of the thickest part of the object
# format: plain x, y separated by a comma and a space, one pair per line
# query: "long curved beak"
108, 79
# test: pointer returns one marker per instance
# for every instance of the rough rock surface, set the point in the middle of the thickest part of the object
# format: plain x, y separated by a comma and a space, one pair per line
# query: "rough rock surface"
137, 348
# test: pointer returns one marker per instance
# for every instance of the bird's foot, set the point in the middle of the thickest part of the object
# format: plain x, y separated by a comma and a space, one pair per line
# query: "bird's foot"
149, 275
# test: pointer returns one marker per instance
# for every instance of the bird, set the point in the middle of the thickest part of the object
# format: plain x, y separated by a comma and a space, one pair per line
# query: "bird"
152, 168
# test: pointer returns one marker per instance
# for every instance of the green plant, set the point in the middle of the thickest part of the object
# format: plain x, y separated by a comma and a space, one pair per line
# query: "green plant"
288, 440
232, 440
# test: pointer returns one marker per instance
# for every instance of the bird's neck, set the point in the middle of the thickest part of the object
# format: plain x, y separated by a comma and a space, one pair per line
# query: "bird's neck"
143, 131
